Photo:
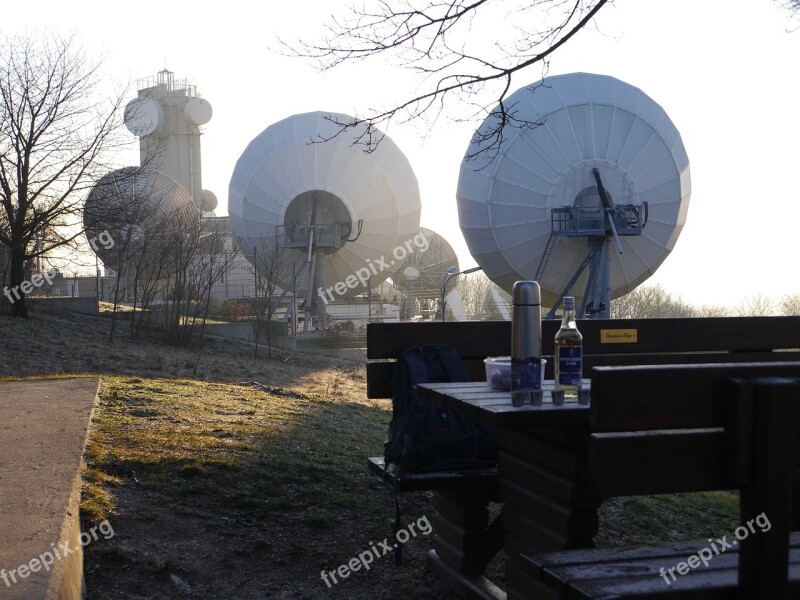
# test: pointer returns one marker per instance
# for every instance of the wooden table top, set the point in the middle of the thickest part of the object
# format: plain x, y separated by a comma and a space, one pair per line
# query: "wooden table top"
480, 401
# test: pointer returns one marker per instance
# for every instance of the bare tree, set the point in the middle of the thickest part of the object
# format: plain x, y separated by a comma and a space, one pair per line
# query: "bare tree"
214, 258
269, 268
5, 264
789, 305
199, 256
476, 296
757, 305
115, 208
711, 310
467, 50
648, 302
792, 6
178, 293
56, 139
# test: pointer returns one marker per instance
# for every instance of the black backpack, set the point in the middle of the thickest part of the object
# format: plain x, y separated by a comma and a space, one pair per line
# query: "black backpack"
425, 436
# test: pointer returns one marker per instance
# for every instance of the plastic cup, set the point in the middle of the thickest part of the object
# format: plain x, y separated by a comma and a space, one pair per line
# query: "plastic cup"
584, 395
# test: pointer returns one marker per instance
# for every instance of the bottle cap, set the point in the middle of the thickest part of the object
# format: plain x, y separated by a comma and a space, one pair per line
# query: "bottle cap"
569, 303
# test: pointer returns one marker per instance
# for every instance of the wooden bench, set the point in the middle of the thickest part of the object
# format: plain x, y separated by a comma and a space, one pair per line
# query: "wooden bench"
685, 428
465, 540
612, 342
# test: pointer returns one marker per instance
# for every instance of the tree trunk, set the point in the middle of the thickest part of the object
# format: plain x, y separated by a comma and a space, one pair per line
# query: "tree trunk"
19, 308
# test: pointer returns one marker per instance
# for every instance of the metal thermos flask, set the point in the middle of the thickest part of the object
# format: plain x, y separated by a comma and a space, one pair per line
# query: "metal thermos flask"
526, 343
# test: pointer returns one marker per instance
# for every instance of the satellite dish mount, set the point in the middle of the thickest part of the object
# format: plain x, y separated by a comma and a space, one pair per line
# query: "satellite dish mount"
595, 217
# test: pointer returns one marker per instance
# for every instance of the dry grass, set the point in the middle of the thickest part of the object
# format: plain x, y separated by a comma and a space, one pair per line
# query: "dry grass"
216, 489
278, 477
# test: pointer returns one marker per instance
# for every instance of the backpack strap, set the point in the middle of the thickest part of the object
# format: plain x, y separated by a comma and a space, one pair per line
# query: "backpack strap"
398, 551
452, 363
418, 373
409, 368
416, 365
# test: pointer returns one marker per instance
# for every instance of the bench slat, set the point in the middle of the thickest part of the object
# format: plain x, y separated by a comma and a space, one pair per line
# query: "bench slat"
687, 396
657, 462
471, 338
604, 572
443, 480
493, 338
388, 340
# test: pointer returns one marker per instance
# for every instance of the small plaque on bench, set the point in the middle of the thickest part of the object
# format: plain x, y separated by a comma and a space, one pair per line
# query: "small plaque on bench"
619, 336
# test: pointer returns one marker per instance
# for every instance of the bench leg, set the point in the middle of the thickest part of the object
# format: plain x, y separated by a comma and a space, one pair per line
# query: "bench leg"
465, 540
548, 505
473, 587
764, 551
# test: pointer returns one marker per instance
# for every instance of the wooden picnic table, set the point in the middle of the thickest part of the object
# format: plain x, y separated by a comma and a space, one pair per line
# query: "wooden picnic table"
543, 464
544, 456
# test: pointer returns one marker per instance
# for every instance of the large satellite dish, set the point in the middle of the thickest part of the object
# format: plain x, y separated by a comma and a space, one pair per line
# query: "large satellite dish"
600, 146
422, 271
420, 275
138, 209
337, 209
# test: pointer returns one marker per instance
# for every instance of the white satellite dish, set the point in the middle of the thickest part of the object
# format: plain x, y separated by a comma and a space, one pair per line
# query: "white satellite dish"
144, 116
133, 207
519, 205
421, 273
336, 208
198, 111
208, 201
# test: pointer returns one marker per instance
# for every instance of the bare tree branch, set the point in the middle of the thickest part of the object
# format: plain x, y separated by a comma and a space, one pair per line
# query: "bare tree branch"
442, 41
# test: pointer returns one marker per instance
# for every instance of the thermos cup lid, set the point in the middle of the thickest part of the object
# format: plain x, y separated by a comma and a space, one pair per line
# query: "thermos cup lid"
526, 293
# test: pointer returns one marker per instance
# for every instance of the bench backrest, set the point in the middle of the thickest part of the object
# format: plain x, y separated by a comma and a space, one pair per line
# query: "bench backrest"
684, 428
605, 342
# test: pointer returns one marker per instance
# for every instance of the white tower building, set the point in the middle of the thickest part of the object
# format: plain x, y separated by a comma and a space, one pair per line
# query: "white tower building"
167, 116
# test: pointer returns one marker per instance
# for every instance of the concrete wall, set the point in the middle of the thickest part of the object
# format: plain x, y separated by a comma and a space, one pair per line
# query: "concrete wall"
40, 487
244, 332
78, 305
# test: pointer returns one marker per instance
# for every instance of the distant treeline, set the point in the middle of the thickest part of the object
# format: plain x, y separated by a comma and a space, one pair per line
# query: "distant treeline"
654, 301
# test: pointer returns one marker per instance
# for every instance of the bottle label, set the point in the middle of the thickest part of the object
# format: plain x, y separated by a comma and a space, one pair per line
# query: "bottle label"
526, 374
570, 365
